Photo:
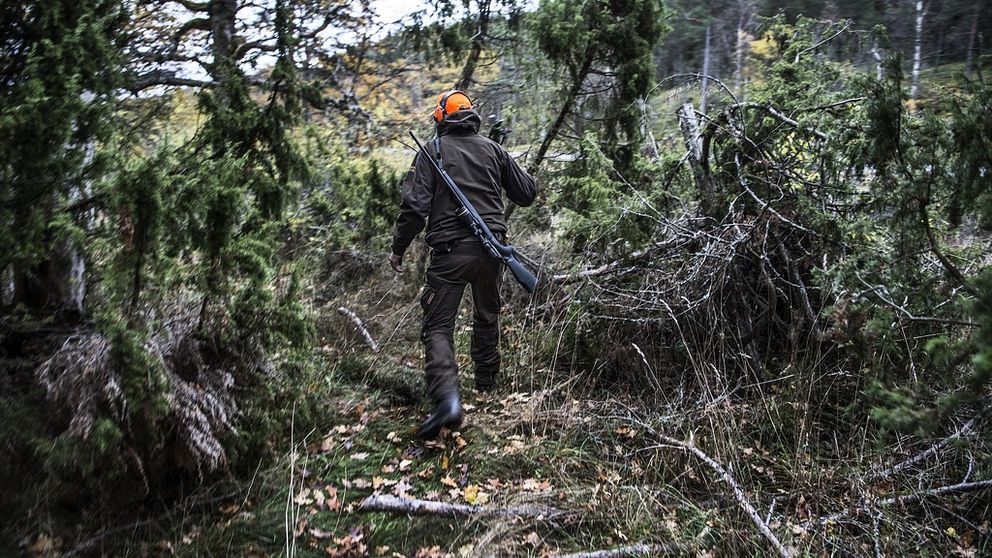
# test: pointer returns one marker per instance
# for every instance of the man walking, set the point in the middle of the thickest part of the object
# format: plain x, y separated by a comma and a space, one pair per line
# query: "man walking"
483, 170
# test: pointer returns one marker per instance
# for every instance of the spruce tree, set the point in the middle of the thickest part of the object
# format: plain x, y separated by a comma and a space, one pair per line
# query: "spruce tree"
611, 39
60, 68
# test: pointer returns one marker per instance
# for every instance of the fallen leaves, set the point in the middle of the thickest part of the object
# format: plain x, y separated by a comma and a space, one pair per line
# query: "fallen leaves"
402, 489
515, 446
319, 533
351, 544
471, 493
332, 503
536, 485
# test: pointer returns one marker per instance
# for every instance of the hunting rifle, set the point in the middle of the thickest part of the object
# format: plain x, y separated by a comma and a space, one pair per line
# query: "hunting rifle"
475, 223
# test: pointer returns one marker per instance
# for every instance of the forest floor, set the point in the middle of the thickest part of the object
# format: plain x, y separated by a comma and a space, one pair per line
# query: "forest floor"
533, 444
596, 463
536, 451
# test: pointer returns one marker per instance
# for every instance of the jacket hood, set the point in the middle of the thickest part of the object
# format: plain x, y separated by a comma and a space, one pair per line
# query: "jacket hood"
461, 122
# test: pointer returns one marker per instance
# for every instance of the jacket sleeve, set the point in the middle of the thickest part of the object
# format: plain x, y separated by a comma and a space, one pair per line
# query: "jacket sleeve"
415, 208
519, 186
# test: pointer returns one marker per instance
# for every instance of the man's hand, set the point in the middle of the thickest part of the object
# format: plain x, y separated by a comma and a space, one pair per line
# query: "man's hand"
396, 262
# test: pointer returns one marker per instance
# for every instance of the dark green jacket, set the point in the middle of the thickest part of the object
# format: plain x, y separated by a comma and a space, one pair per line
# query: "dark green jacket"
479, 166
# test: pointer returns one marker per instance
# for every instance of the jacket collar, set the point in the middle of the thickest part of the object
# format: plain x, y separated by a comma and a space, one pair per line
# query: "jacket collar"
459, 123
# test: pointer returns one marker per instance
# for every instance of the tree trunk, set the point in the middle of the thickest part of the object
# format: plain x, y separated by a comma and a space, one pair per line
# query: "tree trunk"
970, 60
917, 48
878, 60
478, 41
706, 72
743, 22
46, 288
694, 146
566, 107
223, 19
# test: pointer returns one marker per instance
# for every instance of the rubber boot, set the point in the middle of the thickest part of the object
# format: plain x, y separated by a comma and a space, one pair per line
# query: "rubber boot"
485, 381
448, 412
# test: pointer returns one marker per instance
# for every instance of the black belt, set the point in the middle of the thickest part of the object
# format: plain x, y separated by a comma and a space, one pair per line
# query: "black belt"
468, 240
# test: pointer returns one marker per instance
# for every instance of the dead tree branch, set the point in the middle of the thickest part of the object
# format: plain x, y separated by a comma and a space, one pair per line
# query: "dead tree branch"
907, 498
360, 326
739, 495
640, 549
933, 450
413, 506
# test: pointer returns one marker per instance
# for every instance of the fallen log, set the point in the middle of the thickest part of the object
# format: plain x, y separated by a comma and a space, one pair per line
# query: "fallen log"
414, 506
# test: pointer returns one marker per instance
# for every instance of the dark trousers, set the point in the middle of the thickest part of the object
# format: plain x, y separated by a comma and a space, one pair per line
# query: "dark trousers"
465, 263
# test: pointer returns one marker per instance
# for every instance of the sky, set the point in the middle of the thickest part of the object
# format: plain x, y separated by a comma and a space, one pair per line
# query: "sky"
392, 10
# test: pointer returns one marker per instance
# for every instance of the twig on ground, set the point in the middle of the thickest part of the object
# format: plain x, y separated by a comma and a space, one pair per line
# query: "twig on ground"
640, 549
903, 465
739, 494
360, 325
414, 506
907, 498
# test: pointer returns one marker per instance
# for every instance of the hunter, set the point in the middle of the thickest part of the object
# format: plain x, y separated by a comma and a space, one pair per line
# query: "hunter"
484, 171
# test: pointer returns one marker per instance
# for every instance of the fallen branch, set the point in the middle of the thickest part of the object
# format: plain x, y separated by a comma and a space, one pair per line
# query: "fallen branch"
414, 506
360, 325
640, 549
619, 267
907, 498
903, 465
739, 495
565, 278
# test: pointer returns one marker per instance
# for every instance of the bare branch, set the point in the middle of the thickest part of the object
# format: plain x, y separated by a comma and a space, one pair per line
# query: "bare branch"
932, 450
821, 43
162, 77
772, 111
739, 494
907, 498
193, 6
414, 506
360, 326
640, 549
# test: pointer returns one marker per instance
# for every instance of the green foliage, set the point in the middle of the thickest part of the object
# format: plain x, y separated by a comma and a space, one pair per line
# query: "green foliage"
617, 37
597, 207
919, 169
357, 204
971, 129
60, 69
138, 196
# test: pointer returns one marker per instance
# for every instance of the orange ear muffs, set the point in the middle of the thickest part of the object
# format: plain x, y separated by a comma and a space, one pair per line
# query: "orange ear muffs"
449, 102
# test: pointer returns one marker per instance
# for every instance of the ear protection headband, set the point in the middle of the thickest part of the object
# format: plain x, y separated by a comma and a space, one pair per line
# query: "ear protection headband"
441, 110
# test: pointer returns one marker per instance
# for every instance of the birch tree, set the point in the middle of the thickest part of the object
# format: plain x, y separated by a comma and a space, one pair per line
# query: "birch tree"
917, 48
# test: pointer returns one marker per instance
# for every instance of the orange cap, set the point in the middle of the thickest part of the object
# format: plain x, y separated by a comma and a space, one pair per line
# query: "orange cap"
453, 101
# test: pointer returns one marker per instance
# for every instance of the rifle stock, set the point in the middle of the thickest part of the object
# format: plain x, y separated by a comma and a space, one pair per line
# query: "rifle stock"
523, 275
